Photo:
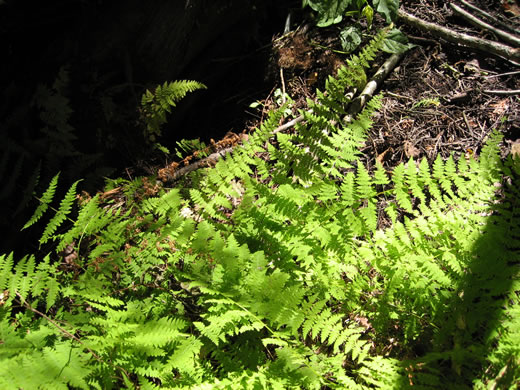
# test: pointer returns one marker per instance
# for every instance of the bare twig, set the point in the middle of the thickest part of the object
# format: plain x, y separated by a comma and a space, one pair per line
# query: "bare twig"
503, 74
467, 94
485, 45
288, 125
375, 83
396, 95
509, 38
511, 92
283, 85
466, 121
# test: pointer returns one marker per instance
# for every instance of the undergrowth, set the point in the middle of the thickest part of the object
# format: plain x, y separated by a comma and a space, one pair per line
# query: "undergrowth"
290, 264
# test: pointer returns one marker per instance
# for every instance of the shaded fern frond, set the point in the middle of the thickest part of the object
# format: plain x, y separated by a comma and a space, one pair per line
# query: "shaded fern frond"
157, 104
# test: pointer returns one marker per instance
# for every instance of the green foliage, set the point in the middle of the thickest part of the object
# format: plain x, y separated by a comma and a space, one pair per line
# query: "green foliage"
387, 8
157, 104
186, 147
289, 264
396, 42
331, 12
45, 199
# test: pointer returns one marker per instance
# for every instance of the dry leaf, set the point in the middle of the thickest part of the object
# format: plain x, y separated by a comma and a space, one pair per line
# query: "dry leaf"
381, 157
515, 149
500, 107
410, 150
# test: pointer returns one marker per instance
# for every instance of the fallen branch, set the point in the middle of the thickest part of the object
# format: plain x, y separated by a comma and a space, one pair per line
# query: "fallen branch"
214, 157
510, 92
376, 81
503, 74
485, 45
489, 17
464, 96
509, 38
357, 104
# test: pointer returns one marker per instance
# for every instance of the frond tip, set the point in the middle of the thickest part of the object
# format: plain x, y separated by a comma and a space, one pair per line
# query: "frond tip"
155, 105
46, 198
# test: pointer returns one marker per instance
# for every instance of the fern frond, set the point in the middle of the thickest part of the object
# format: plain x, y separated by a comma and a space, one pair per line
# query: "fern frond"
401, 189
380, 176
155, 105
274, 269
6, 265
45, 200
58, 366
61, 214
27, 278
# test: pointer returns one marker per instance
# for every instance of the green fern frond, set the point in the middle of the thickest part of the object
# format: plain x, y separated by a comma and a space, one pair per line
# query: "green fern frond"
58, 366
157, 104
61, 214
401, 189
26, 278
6, 265
45, 200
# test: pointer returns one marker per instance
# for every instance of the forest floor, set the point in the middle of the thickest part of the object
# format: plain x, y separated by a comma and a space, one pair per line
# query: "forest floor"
434, 100
442, 98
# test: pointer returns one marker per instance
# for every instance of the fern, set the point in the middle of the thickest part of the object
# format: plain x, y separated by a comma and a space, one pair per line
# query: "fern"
156, 105
273, 269
46, 198
61, 214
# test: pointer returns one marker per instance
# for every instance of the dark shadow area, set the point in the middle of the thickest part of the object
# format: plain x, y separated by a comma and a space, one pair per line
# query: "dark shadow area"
73, 73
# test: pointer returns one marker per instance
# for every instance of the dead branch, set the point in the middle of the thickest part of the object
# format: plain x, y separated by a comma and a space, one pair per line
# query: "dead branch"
464, 96
356, 106
510, 92
485, 45
503, 74
506, 37
375, 83
214, 157
489, 17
